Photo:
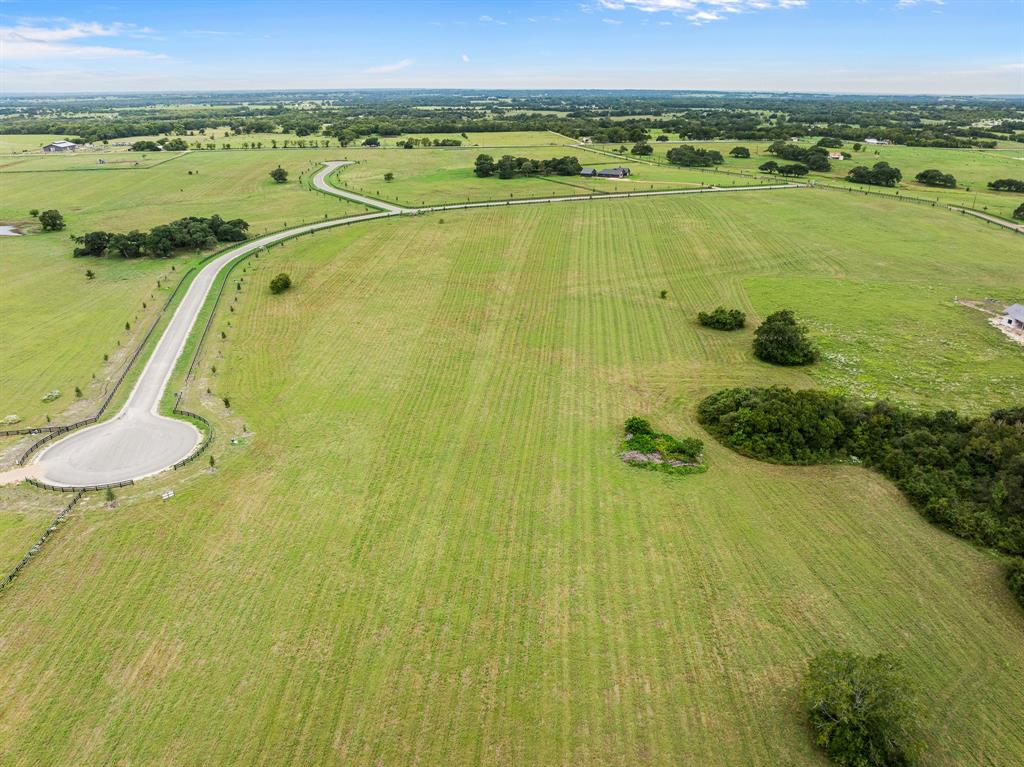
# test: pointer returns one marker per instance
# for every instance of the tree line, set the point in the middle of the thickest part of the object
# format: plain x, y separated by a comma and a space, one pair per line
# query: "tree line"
191, 233
510, 167
964, 474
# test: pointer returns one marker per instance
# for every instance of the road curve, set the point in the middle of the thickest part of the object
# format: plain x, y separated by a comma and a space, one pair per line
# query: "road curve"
138, 441
320, 182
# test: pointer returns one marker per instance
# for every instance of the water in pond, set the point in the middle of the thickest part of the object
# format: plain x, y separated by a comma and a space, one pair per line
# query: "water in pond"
8, 231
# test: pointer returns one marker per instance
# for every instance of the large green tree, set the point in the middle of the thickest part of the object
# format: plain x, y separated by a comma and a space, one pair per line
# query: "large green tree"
863, 710
51, 220
781, 340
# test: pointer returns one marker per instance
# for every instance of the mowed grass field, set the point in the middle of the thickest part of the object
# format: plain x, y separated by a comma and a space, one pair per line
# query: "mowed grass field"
427, 551
56, 325
973, 169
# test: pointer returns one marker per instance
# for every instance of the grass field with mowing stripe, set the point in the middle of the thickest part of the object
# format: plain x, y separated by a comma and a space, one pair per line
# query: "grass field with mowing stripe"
426, 550
57, 325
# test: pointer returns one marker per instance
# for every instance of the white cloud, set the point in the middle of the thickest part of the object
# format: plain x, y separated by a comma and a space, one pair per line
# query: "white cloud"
611, 21
465, 58
55, 40
386, 68
700, 11
703, 17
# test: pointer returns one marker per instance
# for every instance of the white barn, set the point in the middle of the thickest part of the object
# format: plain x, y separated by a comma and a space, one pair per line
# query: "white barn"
1013, 316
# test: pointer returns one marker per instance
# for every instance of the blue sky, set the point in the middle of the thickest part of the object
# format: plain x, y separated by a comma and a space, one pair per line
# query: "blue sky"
848, 46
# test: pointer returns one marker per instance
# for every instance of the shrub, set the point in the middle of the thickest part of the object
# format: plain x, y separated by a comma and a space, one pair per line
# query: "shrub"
280, 283
637, 426
662, 452
279, 174
723, 319
934, 177
1019, 212
781, 340
862, 709
51, 220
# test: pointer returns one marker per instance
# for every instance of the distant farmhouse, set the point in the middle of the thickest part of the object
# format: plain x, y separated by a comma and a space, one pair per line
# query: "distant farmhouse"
835, 155
605, 172
1014, 317
877, 141
61, 146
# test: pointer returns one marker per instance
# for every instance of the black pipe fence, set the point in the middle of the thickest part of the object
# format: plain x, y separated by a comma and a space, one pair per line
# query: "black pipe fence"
207, 439
77, 488
38, 545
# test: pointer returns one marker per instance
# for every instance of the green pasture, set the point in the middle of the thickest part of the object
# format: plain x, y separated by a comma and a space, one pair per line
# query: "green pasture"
57, 325
424, 549
11, 143
438, 176
972, 168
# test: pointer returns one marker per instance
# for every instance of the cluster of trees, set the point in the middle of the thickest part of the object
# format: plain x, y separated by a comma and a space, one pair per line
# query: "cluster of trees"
781, 340
161, 241
415, 142
793, 169
642, 438
863, 710
739, 152
510, 167
815, 157
642, 149
723, 319
169, 144
935, 177
879, 174
1006, 185
691, 157
964, 474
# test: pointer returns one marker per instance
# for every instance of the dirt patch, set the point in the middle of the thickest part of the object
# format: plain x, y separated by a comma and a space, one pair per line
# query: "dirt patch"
635, 456
19, 473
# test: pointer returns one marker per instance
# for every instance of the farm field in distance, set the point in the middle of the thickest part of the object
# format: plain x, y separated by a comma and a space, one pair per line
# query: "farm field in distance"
427, 505
972, 168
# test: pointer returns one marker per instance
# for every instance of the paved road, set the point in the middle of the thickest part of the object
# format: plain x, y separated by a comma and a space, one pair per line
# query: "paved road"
138, 441
320, 182
991, 219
